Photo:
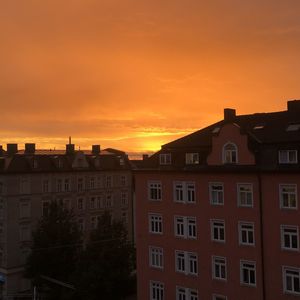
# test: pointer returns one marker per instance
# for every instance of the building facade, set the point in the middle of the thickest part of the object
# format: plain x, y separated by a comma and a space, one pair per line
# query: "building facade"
88, 182
217, 212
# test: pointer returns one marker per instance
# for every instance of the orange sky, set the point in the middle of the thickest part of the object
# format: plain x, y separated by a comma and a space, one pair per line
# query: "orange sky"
136, 74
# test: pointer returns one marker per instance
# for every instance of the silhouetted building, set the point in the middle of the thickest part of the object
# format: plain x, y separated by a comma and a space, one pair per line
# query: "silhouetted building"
218, 214
88, 182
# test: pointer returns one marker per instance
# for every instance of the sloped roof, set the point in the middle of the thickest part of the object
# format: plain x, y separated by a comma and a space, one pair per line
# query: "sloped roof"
262, 127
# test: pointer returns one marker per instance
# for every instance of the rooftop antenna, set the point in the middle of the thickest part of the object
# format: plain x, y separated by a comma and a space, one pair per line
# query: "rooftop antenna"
70, 140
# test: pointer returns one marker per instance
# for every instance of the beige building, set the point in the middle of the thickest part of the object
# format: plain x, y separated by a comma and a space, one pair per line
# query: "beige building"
88, 182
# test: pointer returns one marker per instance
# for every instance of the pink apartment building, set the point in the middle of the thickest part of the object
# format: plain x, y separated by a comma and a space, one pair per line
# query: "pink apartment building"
217, 212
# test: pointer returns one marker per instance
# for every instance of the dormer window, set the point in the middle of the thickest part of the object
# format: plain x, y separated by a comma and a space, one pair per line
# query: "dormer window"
288, 156
192, 158
165, 158
35, 164
230, 155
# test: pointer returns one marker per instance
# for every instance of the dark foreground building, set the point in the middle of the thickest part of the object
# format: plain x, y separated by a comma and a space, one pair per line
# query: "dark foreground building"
88, 182
218, 212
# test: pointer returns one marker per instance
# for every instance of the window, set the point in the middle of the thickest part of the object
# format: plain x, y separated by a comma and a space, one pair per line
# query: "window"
46, 186
80, 185
165, 158
100, 202
67, 204
184, 192
219, 267
45, 208
24, 185
293, 127
81, 225
246, 233
287, 156
123, 180
248, 273
186, 262
59, 185
1, 187
185, 227
80, 203
216, 193
92, 202
183, 293
230, 154
219, 297
156, 257
288, 196
155, 223
289, 237
217, 230
291, 280
156, 290
108, 181
109, 200
245, 195
154, 190
192, 158
94, 222
25, 209
124, 199
92, 183
124, 217
25, 233
67, 184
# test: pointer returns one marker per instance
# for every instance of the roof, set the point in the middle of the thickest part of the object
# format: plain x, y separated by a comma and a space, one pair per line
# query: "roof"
262, 127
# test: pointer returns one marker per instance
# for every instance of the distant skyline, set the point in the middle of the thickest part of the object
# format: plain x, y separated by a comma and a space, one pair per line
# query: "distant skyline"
135, 74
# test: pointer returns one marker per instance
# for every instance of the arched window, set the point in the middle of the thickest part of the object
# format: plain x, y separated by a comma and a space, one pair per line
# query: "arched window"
230, 154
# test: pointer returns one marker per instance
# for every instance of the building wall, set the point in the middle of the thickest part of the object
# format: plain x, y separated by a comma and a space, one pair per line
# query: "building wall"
205, 248
14, 242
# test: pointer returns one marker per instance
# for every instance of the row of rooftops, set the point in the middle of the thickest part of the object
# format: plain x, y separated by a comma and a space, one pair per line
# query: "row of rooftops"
280, 130
30, 159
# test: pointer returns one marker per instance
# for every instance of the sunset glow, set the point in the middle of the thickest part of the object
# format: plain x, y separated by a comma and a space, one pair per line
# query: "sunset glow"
134, 75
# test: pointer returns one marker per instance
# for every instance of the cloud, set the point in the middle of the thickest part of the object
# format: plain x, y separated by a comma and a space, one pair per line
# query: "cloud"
116, 69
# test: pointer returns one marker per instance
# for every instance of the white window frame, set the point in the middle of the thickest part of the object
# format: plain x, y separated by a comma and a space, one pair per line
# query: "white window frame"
165, 158
295, 275
184, 225
287, 159
156, 290
244, 193
24, 208
156, 257
184, 192
216, 224
248, 228
154, 190
230, 160
249, 266
156, 223
186, 262
284, 229
213, 191
281, 187
220, 263
183, 293
192, 158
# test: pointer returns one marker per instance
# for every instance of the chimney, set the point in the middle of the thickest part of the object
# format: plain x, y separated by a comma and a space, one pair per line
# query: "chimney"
1, 150
293, 106
95, 149
12, 149
229, 114
145, 156
70, 149
29, 148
